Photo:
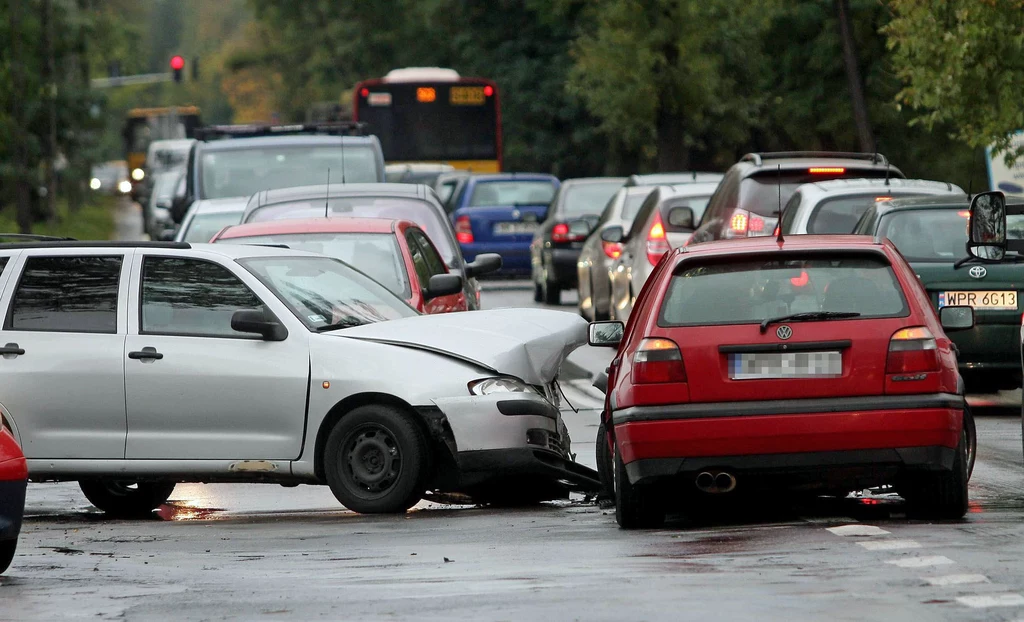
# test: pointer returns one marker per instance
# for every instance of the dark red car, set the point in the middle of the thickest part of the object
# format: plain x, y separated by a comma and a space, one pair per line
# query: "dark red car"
815, 363
13, 478
395, 253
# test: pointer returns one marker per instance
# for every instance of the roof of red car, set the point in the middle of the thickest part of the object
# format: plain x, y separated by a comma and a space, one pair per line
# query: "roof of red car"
768, 243
312, 225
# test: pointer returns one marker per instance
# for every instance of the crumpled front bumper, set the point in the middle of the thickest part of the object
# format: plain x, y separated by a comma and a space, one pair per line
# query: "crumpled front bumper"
507, 435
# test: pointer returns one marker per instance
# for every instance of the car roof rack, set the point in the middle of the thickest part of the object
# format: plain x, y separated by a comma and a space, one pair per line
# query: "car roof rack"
252, 130
34, 237
758, 158
70, 243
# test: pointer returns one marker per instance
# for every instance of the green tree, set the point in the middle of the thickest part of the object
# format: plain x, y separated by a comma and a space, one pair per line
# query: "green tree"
962, 64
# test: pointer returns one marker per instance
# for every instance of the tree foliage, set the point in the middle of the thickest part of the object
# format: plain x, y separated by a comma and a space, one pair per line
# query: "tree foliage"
962, 62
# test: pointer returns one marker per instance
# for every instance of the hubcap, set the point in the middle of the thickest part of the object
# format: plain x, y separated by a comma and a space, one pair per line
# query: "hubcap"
372, 459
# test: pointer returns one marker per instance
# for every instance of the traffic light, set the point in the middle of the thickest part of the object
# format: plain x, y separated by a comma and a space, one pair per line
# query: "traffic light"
177, 64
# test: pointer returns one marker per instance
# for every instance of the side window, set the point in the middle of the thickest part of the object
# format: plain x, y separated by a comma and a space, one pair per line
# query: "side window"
67, 294
725, 197
789, 213
434, 262
3, 264
418, 260
642, 214
191, 297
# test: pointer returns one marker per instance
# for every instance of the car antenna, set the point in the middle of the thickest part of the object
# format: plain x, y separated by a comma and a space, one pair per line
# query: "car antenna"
970, 188
327, 195
782, 212
887, 173
343, 160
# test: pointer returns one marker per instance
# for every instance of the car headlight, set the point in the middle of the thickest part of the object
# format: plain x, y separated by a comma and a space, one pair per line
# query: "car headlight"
125, 187
504, 384
138, 174
95, 183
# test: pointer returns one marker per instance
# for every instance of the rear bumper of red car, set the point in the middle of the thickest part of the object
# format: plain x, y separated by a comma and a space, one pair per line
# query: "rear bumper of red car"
13, 479
866, 437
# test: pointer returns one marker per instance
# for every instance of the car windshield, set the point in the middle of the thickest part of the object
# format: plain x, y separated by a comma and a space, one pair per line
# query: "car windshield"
489, 193
588, 199
841, 214
414, 210
935, 234
203, 227
376, 254
242, 172
325, 294
749, 291
632, 206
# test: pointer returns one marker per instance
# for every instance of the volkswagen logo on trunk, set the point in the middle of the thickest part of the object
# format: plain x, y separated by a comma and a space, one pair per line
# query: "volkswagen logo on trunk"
977, 272
783, 332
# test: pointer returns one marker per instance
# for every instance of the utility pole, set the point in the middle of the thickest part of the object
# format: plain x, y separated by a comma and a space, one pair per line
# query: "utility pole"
860, 107
50, 86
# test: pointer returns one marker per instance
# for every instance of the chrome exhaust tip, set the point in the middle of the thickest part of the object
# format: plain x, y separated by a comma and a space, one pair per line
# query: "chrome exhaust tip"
725, 482
705, 481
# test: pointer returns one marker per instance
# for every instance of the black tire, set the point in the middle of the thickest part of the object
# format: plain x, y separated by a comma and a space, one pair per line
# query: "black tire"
604, 464
551, 293
7, 549
126, 498
942, 495
636, 507
972, 440
377, 460
538, 293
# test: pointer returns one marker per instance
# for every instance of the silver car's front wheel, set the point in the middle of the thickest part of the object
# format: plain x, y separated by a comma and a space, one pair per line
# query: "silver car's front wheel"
125, 498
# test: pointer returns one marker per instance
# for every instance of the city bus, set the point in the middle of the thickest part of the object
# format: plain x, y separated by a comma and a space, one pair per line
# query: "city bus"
144, 125
429, 114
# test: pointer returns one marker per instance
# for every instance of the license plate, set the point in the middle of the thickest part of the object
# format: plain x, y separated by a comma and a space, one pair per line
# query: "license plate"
979, 299
512, 228
768, 365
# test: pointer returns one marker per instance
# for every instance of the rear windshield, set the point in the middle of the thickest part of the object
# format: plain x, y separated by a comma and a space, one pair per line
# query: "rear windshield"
488, 193
841, 215
204, 226
935, 234
242, 172
750, 291
374, 254
760, 193
588, 199
422, 213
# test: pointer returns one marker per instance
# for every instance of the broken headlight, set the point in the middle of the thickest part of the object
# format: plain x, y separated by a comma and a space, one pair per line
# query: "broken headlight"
503, 384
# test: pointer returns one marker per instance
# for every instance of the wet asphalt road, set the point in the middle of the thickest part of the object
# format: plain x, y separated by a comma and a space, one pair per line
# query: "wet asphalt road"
264, 552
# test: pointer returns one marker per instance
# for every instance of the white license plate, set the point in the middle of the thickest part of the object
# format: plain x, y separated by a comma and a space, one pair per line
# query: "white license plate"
512, 228
979, 299
768, 365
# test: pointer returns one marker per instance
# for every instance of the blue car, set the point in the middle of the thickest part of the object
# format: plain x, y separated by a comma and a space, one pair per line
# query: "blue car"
500, 213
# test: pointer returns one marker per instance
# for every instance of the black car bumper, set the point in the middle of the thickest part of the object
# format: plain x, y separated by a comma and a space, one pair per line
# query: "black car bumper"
481, 467
12, 508
850, 470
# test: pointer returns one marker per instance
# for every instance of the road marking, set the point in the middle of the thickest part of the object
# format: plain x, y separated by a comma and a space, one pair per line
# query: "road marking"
956, 579
920, 562
890, 545
857, 530
979, 601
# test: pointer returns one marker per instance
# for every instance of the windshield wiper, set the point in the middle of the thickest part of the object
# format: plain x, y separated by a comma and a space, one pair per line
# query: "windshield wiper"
348, 322
808, 316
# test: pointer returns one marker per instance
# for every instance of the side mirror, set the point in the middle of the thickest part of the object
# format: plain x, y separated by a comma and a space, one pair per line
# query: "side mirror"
956, 318
680, 217
613, 234
260, 323
580, 229
164, 203
483, 264
442, 285
987, 228
606, 334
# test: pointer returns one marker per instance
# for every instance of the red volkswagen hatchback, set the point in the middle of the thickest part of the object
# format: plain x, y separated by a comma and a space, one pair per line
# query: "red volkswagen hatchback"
815, 363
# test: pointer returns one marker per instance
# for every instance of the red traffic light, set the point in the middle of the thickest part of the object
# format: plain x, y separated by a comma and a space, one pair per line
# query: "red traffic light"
177, 63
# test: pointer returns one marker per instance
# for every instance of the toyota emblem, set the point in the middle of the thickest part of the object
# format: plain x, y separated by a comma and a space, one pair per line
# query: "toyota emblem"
783, 332
977, 272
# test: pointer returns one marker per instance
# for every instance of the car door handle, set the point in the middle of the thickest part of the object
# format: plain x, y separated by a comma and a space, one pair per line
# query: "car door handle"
147, 353
12, 348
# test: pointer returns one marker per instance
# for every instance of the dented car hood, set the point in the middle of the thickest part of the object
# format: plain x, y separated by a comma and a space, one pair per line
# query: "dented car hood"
529, 344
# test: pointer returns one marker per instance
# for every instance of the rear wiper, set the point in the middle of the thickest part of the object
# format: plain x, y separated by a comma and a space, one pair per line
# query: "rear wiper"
346, 323
808, 316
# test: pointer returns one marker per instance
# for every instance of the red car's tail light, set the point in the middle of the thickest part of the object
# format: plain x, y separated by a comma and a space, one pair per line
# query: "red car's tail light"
912, 350
658, 360
612, 250
561, 233
463, 230
657, 243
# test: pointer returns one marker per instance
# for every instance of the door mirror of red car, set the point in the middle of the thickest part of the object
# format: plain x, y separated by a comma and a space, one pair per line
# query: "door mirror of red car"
606, 334
956, 318
259, 322
680, 218
442, 285
483, 264
987, 228
613, 234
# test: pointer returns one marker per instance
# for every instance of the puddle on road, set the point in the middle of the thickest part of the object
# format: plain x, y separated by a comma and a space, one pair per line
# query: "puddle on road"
176, 511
